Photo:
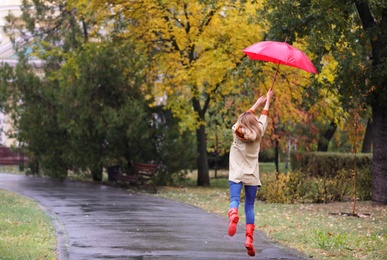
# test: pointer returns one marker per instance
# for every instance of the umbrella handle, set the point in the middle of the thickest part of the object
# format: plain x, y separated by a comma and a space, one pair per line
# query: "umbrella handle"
275, 75
276, 72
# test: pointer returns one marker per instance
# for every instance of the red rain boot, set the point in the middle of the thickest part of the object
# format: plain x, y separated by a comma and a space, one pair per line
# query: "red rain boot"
249, 239
233, 216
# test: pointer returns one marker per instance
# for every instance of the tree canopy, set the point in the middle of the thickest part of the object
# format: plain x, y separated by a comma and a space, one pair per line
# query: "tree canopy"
355, 34
111, 66
88, 106
200, 65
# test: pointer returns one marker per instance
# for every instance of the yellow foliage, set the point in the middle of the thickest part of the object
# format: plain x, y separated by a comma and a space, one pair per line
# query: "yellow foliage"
197, 45
328, 70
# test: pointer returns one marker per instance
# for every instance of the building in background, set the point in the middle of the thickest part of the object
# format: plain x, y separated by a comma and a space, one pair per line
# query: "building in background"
7, 55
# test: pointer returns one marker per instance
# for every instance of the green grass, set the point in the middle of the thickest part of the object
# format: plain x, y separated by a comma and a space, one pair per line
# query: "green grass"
11, 169
314, 229
26, 232
310, 228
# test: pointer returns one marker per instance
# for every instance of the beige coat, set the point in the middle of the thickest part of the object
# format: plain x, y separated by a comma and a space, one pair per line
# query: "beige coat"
244, 158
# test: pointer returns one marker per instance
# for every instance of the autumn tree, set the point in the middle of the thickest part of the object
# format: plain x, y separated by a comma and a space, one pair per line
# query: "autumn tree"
87, 106
197, 46
355, 33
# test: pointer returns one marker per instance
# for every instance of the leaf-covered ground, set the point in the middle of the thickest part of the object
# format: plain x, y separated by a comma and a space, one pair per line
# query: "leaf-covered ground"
318, 230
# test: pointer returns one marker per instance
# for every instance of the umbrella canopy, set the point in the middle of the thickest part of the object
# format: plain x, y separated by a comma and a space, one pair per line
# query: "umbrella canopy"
280, 53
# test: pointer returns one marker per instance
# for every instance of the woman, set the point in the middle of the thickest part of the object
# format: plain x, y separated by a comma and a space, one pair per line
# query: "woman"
244, 170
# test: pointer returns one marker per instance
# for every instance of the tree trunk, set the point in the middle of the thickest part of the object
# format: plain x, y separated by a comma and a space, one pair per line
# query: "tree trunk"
288, 150
202, 163
96, 172
275, 142
325, 139
379, 158
276, 155
216, 154
367, 141
377, 32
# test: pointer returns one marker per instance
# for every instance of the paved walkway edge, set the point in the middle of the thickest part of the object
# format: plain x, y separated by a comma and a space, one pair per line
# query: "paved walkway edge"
118, 224
62, 247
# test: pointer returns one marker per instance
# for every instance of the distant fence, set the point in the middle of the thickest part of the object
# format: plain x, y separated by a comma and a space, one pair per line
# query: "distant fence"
11, 157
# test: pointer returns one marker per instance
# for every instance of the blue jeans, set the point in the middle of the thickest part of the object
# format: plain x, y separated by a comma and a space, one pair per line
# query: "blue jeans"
235, 199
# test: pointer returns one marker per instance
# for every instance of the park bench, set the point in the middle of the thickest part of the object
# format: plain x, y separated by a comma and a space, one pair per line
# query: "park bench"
140, 174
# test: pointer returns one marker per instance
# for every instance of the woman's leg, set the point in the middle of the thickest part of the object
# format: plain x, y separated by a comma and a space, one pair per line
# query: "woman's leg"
235, 198
250, 193
235, 194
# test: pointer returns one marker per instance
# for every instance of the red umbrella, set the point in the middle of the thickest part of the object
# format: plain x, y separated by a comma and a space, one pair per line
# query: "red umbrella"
280, 53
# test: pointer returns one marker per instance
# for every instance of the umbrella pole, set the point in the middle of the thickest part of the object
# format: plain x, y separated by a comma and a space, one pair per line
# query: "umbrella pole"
275, 75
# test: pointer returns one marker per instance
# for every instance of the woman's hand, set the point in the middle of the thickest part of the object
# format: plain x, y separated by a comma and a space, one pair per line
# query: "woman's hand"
270, 94
261, 100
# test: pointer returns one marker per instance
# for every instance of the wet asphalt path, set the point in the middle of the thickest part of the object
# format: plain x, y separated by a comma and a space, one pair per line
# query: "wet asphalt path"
101, 222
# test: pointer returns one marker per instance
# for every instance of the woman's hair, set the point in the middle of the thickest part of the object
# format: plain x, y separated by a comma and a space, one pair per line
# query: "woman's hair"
248, 126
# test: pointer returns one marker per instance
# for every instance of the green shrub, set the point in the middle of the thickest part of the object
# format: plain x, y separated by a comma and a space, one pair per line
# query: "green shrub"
299, 187
331, 189
283, 188
276, 192
364, 183
322, 164
333, 174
